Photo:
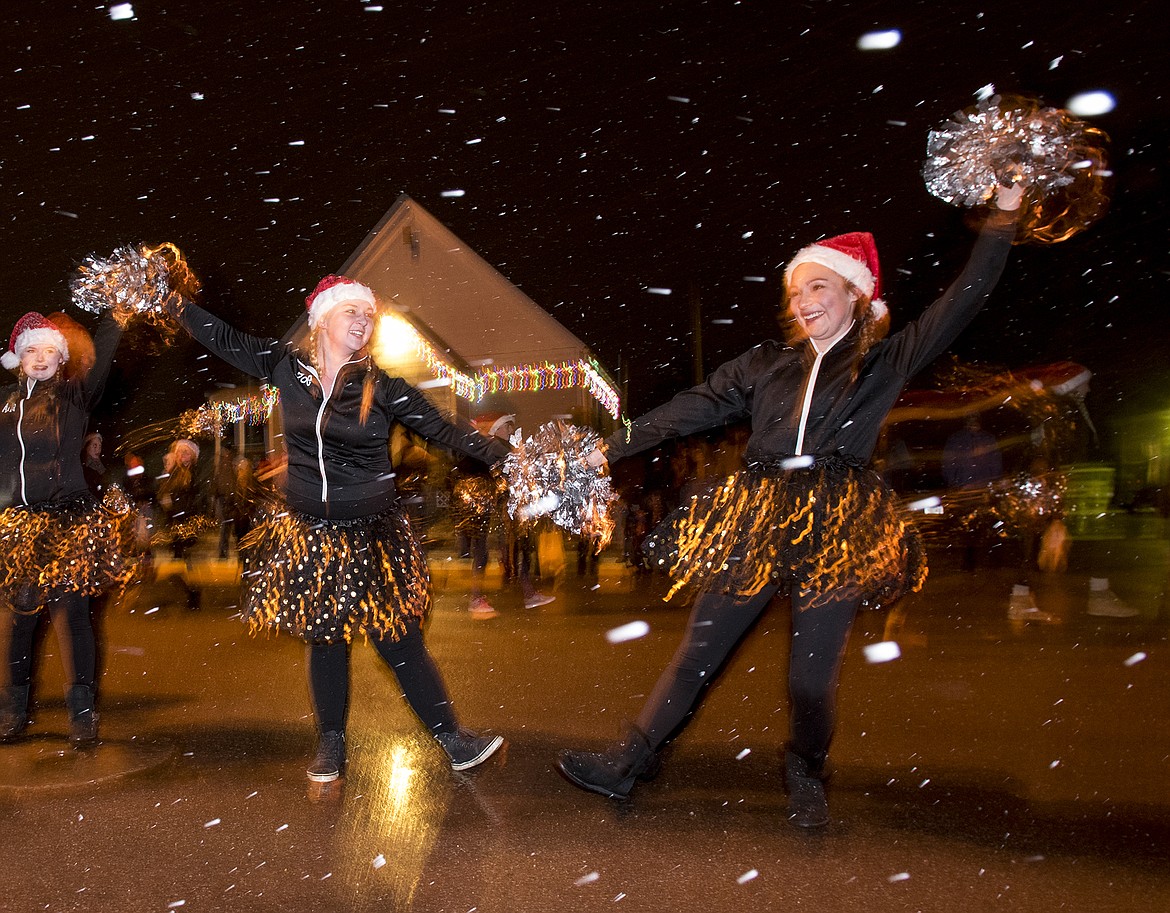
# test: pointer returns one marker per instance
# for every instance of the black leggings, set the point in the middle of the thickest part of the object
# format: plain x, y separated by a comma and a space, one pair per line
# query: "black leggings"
418, 676
74, 626
717, 624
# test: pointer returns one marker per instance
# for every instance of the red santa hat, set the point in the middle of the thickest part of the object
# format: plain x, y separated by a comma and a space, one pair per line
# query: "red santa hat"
33, 329
493, 422
852, 256
331, 291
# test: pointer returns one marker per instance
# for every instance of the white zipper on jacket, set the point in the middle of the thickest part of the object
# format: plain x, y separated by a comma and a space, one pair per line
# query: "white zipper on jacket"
29, 385
325, 397
806, 406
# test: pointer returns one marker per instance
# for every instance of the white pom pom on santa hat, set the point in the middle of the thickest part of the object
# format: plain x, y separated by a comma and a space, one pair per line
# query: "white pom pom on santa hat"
33, 329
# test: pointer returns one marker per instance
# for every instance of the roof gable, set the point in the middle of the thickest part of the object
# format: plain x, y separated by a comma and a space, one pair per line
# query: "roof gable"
413, 261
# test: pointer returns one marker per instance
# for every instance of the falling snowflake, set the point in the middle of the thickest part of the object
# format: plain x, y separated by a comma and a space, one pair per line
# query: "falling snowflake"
631, 631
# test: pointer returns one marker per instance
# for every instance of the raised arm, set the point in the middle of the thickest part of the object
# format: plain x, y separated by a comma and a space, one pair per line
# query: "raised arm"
254, 355
105, 343
929, 336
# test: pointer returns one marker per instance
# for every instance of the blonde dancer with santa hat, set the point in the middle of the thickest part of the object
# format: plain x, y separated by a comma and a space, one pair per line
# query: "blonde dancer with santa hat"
807, 517
338, 559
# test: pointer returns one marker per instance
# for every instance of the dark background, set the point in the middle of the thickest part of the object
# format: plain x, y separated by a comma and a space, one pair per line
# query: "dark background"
603, 149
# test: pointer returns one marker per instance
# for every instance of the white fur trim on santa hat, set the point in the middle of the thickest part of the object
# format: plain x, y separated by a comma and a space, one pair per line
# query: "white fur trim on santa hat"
189, 444
37, 336
1075, 384
843, 265
500, 423
325, 301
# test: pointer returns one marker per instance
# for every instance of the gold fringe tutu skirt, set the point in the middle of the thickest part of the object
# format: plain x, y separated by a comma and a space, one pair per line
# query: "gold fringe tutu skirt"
74, 545
326, 580
823, 527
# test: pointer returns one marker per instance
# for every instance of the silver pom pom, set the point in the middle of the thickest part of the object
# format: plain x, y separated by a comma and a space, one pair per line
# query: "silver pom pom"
547, 475
1000, 142
133, 281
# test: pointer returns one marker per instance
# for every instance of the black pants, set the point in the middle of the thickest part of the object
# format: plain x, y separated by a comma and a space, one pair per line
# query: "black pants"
71, 620
717, 624
418, 676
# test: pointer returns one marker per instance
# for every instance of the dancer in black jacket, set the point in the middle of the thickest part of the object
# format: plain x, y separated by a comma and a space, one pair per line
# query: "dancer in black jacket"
58, 546
340, 559
806, 516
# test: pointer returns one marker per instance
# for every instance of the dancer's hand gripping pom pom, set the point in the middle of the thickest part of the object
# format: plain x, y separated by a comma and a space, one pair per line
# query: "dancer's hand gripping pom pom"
548, 475
1006, 140
145, 282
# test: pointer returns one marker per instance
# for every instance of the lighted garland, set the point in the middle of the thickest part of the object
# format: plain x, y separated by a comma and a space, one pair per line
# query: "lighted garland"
209, 419
463, 384
252, 410
522, 378
547, 376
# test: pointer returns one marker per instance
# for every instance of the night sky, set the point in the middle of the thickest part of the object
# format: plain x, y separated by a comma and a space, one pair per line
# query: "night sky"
602, 152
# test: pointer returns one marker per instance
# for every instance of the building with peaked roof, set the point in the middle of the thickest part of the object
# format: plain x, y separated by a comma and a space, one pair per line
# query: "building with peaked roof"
462, 332
458, 330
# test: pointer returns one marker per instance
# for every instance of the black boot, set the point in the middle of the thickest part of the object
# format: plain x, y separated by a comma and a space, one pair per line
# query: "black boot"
83, 718
612, 772
807, 805
13, 712
330, 760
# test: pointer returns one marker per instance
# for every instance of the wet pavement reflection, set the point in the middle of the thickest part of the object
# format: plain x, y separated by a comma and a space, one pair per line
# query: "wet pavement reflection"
995, 765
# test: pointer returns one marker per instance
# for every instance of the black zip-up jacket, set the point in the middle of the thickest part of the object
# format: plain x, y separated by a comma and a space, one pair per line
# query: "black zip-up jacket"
804, 402
338, 467
43, 425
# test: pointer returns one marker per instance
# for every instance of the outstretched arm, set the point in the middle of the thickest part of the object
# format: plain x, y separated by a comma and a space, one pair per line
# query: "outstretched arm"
724, 396
415, 411
254, 355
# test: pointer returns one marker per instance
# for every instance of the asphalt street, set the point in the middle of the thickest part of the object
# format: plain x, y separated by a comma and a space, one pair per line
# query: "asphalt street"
994, 765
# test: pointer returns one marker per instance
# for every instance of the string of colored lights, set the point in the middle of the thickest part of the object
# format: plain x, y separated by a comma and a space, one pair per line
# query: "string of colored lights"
548, 376
209, 418
254, 410
522, 378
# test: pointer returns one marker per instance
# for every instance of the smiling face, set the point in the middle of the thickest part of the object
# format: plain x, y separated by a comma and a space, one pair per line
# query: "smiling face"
821, 302
185, 456
40, 361
349, 325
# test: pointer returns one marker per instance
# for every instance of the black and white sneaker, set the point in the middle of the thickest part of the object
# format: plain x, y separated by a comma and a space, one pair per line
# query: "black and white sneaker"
330, 760
466, 749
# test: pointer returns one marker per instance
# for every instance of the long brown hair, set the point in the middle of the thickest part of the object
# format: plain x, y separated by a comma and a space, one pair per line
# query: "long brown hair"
368, 382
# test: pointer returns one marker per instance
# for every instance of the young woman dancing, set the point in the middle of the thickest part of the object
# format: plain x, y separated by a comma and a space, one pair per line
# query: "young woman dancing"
806, 516
339, 558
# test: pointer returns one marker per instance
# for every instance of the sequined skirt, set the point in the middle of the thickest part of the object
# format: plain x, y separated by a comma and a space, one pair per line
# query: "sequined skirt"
326, 580
821, 528
75, 545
